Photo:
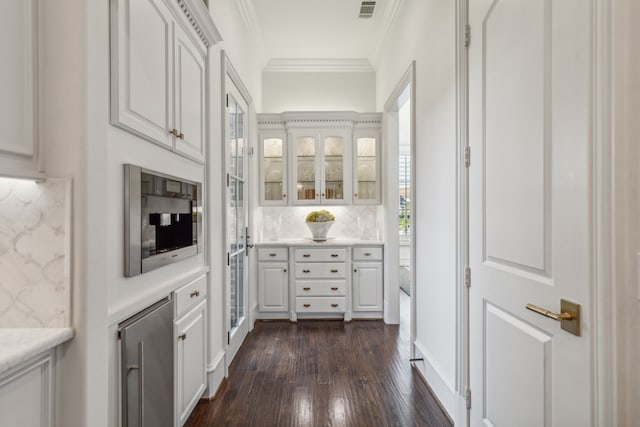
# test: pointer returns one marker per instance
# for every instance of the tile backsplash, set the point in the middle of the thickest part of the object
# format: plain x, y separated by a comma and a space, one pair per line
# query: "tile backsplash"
287, 222
34, 253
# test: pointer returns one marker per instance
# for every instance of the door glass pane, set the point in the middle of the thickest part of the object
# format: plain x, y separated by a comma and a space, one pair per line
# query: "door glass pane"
232, 145
273, 168
233, 265
232, 216
306, 167
240, 214
333, 168
366, 168
240, 150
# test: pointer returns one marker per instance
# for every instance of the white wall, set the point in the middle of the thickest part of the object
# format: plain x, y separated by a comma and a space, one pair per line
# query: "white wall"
434, 201
318, 91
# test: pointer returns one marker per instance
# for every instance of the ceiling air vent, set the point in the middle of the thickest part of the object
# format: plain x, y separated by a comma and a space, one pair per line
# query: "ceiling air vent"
366, 9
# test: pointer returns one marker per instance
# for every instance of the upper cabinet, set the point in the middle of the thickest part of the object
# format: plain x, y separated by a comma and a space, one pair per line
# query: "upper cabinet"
158, 73
21, 149
332, 158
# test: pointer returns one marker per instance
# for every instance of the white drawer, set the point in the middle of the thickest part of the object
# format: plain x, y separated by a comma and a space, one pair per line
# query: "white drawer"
312, 288
190, 294
320, 270
321, 254
273, 254
367, 254
321, 304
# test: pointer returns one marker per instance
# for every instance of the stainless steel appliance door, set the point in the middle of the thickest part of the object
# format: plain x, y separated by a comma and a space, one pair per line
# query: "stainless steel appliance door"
147, 367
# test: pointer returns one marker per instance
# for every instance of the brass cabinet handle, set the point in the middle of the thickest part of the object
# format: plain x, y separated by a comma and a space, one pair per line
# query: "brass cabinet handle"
306, 271
273, 254
306, 305
181, 136
334, 255
334, 289
306, 255
175, 133
306, 289
334, 271
334, 305
195, 294
182, 336
550, 314
367, 254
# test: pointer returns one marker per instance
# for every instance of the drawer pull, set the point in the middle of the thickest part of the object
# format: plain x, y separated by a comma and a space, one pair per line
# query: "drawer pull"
334, 305
195, 294
334, 255
367, 254
273, 254
306, 271
306, 305
306, 255
334, 271
355, 270
285, 270
334, 289
306, 289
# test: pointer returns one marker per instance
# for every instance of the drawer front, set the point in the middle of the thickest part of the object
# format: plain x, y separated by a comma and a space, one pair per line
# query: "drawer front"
273, 254
321, 305
367, 254
313, 288
190, 294
320, 270
321, 254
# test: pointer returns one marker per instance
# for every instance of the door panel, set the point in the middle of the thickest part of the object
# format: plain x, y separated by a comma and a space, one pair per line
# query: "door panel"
530, 233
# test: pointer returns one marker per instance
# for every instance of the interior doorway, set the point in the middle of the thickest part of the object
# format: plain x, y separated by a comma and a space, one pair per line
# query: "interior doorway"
400, 284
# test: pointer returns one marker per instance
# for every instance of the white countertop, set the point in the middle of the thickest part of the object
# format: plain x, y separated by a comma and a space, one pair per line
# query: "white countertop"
328, 242
20, 344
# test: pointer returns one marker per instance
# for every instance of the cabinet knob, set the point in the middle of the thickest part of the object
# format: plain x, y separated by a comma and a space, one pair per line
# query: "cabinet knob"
334, 255
181, 136
285, 270
334, 271
306, 289
322, 194
273, 254
334, 289
355, 270
306, 255
355, 194
284, 196
174, 132
306, 271
182, 336
195, 294
306, 305
367, 254
334, 305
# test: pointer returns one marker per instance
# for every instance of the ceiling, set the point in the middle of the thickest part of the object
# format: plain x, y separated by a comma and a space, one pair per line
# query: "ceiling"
330, 31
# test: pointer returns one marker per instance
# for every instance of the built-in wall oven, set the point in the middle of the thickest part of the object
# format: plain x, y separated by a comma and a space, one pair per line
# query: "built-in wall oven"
163, 219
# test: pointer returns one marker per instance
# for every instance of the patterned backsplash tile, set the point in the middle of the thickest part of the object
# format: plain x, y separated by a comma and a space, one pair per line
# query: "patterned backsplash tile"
352, 222
34, 253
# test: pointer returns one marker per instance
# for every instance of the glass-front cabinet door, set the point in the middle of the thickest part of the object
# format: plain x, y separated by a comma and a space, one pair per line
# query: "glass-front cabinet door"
305, 169
366, 168
273, 165
334, 168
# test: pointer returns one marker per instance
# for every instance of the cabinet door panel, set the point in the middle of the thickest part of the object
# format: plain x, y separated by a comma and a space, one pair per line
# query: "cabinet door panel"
334, 189
273, 282
142, 69
191, 375
366, 168
367, 287
273, 169
190, 92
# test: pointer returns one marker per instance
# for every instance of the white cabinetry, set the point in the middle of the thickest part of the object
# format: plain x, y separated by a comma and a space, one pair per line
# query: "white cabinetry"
21, 150
157, 76
273, 280
321, 281
332, 158
26, 398
367, 279
190, 333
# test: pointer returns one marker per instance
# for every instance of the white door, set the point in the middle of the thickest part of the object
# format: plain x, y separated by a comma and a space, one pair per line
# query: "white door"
189, 90
367, 286
237, 219
273, 282
530, 229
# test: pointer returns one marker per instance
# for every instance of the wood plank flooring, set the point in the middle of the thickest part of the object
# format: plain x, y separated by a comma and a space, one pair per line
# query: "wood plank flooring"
322, 373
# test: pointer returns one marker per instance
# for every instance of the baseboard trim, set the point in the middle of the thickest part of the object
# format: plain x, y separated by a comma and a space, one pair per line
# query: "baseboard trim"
215, 375
444, 392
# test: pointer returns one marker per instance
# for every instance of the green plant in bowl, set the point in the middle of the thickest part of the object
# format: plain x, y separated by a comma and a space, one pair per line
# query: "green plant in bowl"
319, 223
320, 216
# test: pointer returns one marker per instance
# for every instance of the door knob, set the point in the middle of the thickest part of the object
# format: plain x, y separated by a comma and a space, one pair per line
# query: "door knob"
569, 316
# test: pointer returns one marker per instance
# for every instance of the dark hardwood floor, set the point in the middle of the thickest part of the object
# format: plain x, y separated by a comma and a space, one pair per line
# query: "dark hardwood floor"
322, 373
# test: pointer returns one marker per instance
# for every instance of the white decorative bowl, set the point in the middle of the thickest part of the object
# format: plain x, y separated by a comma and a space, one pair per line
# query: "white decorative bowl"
319, 230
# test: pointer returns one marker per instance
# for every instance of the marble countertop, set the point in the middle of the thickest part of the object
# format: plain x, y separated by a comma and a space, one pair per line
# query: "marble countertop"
20, 344
329, 242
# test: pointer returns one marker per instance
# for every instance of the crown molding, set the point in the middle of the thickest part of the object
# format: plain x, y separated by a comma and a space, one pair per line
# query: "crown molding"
310, 65
199, 17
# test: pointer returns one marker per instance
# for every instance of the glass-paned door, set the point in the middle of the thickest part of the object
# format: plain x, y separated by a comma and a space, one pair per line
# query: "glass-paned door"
306, 169
333, 188
366, 165
274, 168
236, 218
